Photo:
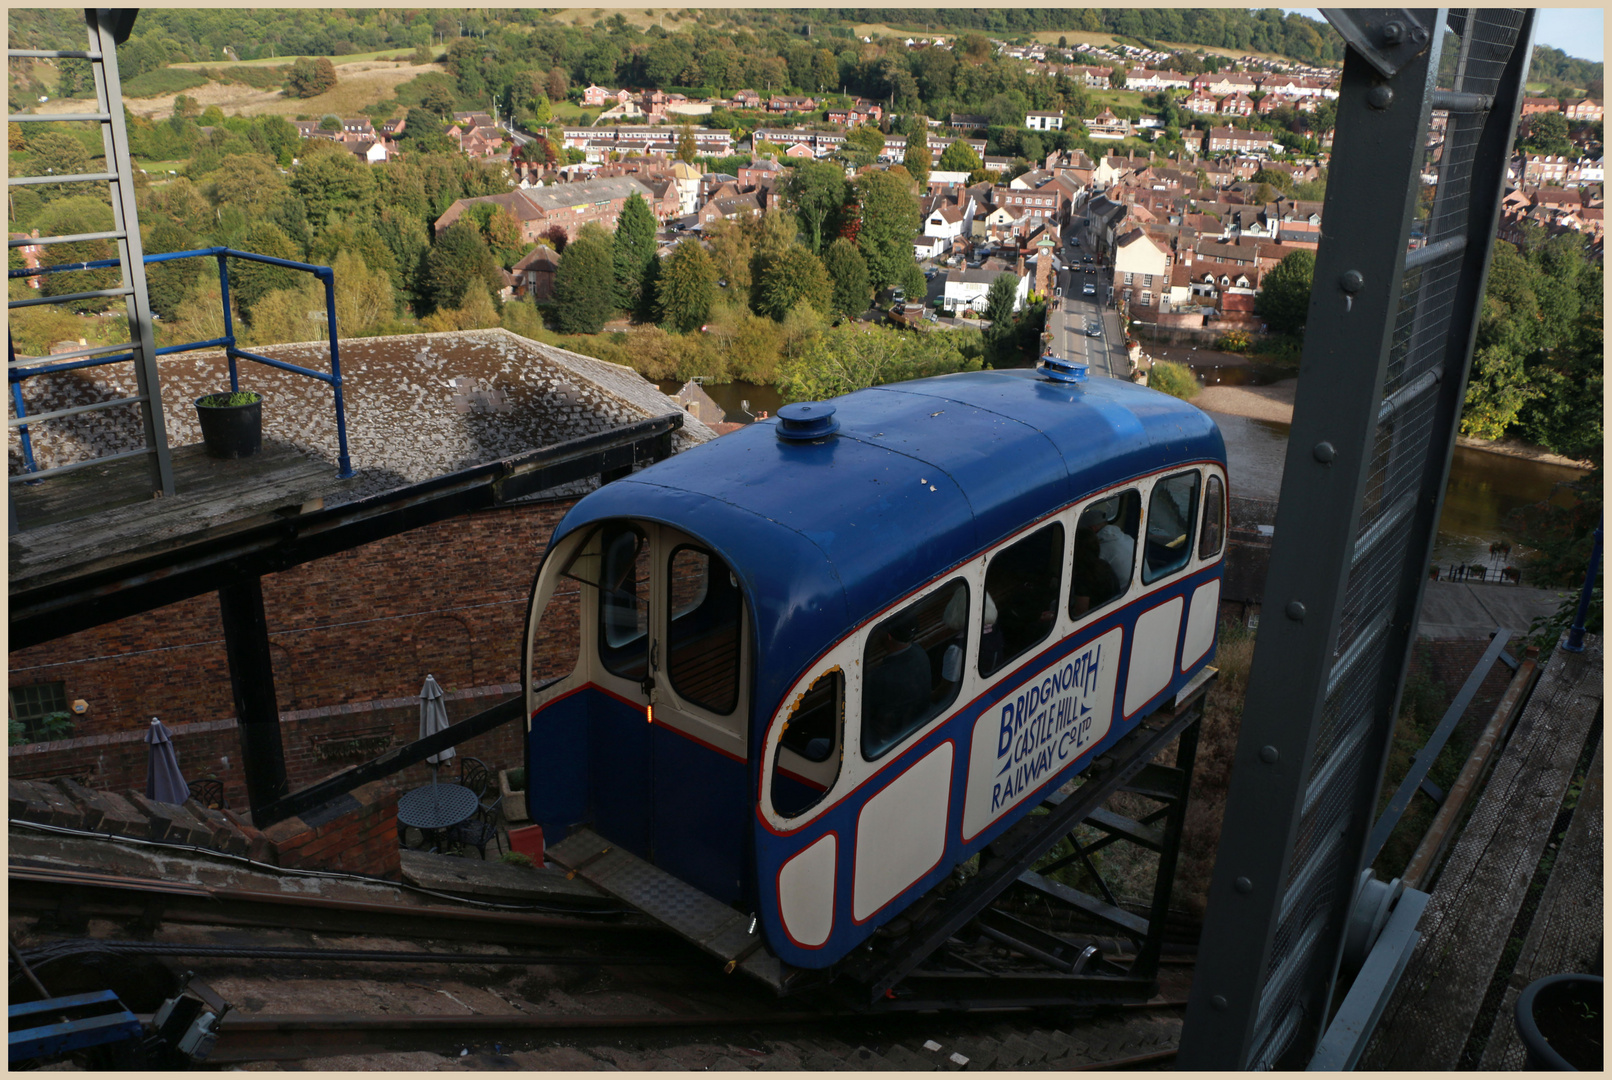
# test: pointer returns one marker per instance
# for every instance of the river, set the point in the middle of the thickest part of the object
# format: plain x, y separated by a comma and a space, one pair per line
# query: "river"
1483, 487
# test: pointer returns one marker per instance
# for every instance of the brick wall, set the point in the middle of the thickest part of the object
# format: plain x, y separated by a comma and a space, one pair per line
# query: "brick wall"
353, 637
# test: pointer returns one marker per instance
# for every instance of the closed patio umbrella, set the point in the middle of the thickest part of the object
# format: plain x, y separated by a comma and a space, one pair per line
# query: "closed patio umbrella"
164, 782
433, 718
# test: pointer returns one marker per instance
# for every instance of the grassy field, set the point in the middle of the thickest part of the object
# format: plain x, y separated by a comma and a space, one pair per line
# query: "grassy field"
359, 83
568, 112
640, 18
393, 53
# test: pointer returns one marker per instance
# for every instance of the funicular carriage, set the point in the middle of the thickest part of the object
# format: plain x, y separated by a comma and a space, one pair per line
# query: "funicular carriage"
820, 663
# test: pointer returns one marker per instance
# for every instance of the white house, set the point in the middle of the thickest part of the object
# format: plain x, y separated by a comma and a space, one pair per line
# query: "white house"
966, 288
1044, 121
930, 247
1141, 268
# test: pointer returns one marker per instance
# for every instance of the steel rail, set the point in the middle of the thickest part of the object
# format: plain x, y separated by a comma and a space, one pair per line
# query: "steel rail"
35, 888
68, 950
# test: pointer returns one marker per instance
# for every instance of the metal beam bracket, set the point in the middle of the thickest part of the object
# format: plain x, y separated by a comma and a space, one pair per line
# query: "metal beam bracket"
1388, 38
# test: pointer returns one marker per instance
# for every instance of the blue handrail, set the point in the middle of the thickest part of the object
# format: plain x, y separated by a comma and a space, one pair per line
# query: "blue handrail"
333, 378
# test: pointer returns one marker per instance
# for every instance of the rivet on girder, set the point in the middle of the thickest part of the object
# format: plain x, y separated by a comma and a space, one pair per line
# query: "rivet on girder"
1295, 611
1380, 97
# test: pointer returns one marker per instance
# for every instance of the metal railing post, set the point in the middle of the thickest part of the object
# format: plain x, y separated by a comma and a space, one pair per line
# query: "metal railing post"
345, 462
229, 322
1574, 641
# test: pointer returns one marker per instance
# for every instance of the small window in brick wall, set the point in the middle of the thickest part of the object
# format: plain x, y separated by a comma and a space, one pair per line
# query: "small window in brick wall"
33, 706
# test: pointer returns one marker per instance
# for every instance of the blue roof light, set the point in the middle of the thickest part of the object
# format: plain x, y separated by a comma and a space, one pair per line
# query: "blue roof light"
1058, 369
807, 420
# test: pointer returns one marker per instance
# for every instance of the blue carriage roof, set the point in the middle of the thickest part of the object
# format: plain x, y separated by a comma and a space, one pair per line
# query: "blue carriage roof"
921, 476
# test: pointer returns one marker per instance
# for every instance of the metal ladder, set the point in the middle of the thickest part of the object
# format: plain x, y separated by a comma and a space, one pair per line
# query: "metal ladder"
107, 28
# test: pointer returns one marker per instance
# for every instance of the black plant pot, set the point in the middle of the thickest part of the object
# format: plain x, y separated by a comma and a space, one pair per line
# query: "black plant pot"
1560, 1021
230, 431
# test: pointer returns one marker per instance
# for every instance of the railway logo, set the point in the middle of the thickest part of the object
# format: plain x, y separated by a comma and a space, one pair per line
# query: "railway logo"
1038, 729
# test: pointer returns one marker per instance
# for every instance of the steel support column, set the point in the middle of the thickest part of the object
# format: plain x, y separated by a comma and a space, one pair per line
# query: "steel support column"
251, 676
1388, 342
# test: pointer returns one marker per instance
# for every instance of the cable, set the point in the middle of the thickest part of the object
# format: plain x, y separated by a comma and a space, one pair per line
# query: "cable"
335, 875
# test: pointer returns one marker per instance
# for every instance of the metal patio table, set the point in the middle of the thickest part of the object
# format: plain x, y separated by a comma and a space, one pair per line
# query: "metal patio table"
436, 808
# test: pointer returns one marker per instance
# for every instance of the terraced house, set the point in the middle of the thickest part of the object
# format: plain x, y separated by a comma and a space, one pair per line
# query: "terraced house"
570, 206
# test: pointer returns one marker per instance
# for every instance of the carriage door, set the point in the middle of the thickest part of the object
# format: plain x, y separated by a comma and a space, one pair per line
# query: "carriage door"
694, 688
702, 790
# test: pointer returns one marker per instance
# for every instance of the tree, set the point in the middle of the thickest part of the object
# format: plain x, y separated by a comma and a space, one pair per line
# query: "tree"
634, 250
817, 190
848, 270
585, 283
1547, 134
249, 182
437, 99
1116, 78
999, 299
686, 147
687, 287
796, 276
732, 248
890, 219
863, 145
310, 77
363, 296
457, 262
1284, 293
918, 159
959, 157
251, 281
55, 153
168, 283
334, 182
15, 139
557, 84
1280, 179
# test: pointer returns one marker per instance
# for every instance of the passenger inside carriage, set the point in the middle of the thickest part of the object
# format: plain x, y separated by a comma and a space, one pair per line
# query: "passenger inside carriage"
912, 667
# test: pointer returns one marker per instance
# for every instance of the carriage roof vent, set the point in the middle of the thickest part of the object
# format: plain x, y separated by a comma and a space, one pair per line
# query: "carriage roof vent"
1058, 369
806, 420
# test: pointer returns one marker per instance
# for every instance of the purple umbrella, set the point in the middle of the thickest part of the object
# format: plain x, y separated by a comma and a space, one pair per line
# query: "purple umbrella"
164, 782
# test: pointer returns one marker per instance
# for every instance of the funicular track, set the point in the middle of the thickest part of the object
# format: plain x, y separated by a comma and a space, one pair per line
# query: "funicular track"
696, 1016
1006, 968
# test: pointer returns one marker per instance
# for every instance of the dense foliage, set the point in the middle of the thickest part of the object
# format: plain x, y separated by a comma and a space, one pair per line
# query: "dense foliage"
1537, 368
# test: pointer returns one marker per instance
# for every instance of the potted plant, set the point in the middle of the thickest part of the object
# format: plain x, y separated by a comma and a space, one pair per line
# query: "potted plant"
1559, 1020
231, 423
512, 787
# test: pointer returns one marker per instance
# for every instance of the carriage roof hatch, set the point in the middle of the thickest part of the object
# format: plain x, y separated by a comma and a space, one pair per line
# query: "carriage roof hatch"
821, 529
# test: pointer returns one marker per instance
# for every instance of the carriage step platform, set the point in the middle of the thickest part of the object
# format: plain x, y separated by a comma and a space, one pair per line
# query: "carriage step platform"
693, 915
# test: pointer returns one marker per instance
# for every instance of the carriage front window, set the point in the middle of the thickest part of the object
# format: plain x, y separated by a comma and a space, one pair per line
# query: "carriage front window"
616, 563
1021, 597
1171, 514
912, 667
815, 733
702, 654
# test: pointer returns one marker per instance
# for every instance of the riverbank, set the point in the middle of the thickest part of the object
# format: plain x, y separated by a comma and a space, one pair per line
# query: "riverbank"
1274, 403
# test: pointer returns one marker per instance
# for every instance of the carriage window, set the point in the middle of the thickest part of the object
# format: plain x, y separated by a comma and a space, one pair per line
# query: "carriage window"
1021, 597
616, 563
912, 667
1171, 513
702, 639
1214, 530
814, 731
1105, 552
